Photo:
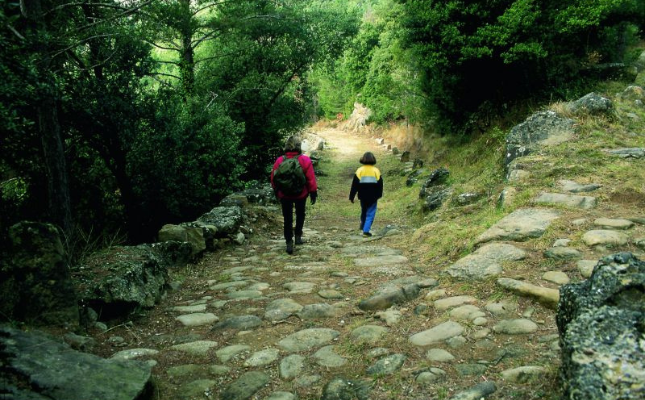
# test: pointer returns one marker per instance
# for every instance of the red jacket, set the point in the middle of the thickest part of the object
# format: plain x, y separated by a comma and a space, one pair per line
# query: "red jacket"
307, 167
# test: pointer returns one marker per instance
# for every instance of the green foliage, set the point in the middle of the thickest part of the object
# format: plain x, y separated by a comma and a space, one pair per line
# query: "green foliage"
489, 53
374, 70
188, 161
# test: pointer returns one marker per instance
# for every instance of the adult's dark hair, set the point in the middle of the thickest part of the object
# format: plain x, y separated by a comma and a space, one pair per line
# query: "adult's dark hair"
293, 143
368, 159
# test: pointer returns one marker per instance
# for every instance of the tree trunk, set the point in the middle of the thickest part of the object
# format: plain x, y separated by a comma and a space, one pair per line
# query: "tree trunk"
187, 55
59, 204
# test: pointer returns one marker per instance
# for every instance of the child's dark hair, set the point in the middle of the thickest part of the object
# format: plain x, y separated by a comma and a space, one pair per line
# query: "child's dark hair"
368, 159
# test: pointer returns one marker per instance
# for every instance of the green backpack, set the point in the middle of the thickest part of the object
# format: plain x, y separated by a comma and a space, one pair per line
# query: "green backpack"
289, 178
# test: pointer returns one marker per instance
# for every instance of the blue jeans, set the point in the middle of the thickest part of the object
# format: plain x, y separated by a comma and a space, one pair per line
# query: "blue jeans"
368, 212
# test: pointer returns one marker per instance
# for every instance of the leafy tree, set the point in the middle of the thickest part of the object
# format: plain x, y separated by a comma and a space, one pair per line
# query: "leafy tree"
491, 52
258, 67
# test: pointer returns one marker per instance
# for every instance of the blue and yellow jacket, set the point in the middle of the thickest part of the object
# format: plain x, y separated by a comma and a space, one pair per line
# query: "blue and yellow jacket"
368, 183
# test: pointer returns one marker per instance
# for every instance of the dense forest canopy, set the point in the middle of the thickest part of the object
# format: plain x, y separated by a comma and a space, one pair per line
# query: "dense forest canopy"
120, 116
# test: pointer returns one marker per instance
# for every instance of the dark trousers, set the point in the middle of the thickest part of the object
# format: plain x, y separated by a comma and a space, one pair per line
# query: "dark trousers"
287, 213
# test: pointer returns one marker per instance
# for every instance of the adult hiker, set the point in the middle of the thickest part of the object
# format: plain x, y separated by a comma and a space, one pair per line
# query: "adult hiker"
293, 180
368, 184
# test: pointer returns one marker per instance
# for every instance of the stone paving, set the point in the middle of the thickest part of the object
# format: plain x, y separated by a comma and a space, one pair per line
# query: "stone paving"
351, 318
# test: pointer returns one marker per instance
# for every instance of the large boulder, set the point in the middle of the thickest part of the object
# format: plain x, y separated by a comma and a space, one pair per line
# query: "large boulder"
173, 254
227, 220
35, 282
601, 324
122, 280
591, 104
541, 129
38, 367
188, 233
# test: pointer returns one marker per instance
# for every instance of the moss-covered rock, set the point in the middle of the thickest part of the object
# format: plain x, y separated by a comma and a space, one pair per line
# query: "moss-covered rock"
35, 281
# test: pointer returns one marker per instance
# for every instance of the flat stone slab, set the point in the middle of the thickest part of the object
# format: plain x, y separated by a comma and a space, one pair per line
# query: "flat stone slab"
437, 334
133, 354
390, 295
557, 277
520, 225
190, 309
300, 287
485, 261
575, 187
197, 319
501, 308
281, 309
356, 251
617, 223
387, 365
603, 237
380, 261
546, 296
585, 267
327, 357
308, 339
241, 322
479, 391
291, 366
245, 386
244, 294
319, 310
368, 334
439, 355
628, 152
262, 357
340, 388
228, 285
281, 396
391, 317
467, 312
196, 348
515, 326
330, 294
455, 301
562, 253
524, 374
227, 353
567, 200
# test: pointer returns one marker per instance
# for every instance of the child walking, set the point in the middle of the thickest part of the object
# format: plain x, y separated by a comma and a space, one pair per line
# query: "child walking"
368, 184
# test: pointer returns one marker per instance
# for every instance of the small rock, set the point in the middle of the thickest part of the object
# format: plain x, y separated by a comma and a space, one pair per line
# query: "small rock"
562, 253
450, 302
604, 238
619, 224
245, 386
197, 319
368, 334
261, 358
439, 355
557, 277
227, 353
387, 365
524, 374
585, 267
291, 366
437, 334
515, 327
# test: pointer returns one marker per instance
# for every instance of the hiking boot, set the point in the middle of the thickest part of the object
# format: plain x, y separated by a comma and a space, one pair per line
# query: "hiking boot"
289, 247
367, 234
299, 240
